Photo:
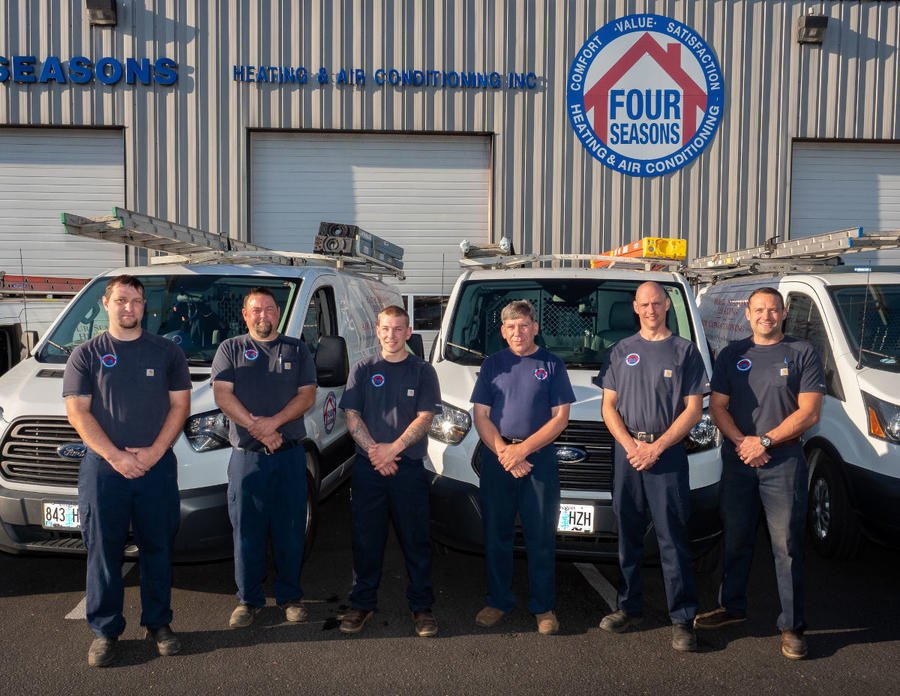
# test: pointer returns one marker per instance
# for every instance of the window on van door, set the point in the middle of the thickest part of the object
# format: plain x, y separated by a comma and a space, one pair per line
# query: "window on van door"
321, 318
427, 312
197, 312
580, 319
804, 321
870, 317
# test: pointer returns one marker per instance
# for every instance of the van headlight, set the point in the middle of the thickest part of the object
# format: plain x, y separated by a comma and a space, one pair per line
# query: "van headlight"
207, 431
883, 417
703, 436
450, 425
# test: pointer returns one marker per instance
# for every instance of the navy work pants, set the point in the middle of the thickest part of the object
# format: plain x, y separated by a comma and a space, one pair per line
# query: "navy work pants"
535, 498
664, 492
109, 505
778, 489
267, 498
375, 501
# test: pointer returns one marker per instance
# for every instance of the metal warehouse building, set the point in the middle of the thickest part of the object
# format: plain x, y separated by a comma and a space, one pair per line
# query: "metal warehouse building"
567, 125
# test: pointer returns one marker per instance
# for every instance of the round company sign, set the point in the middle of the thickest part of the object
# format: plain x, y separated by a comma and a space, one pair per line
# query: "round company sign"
644, 95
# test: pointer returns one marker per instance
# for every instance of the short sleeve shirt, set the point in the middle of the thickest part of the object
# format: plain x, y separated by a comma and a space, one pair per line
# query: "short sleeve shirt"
522, 390
266, 375
652, 378
762, 382
129, 384
390, 395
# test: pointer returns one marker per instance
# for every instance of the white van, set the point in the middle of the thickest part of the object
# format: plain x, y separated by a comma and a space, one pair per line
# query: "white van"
197, 307
581, 313
853, 320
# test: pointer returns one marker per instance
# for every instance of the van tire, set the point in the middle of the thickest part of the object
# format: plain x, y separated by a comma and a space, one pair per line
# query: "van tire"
833, 528
312, 505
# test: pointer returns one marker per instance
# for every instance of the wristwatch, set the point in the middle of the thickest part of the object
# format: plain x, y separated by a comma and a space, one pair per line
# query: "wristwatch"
765, 441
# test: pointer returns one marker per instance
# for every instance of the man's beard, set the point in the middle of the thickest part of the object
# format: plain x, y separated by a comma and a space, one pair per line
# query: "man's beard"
263, 328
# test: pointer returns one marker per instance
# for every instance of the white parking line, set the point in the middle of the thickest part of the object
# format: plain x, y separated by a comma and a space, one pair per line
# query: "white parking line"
596, 580
80, 611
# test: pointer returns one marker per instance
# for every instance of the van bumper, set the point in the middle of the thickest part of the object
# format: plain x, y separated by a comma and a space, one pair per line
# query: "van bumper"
456, 521
204, 532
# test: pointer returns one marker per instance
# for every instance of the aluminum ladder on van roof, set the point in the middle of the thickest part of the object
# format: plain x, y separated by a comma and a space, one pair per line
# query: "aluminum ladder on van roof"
815, 254
182, 244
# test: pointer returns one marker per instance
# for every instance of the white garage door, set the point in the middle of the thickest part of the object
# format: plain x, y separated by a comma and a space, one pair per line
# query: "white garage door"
423, 192
44, 172
839, 185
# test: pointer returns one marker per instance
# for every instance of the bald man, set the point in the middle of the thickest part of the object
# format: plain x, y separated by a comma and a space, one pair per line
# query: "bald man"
653, 387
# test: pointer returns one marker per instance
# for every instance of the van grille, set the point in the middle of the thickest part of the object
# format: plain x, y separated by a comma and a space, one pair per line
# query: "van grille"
595, 473
28, 453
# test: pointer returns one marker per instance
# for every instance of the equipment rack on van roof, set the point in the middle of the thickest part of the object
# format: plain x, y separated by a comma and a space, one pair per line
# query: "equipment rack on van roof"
815, 254
182, 244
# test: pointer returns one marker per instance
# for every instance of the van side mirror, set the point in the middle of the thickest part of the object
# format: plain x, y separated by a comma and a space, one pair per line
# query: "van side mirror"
416, 345
29, 341
332, 363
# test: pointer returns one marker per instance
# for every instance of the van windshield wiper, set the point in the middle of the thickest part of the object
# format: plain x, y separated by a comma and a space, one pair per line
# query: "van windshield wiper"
64, 349
468, 350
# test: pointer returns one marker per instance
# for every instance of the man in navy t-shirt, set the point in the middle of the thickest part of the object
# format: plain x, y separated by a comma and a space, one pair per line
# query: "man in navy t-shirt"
766, 392
390, 401
127, 395
653, 387
264, 382
522, 398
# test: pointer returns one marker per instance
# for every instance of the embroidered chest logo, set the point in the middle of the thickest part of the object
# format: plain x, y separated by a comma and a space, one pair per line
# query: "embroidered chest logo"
377, 380
109, 360
540, 374
743, 365
251, 354
632, 359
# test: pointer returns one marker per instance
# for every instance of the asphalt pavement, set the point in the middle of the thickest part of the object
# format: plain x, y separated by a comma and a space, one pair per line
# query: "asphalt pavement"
852, 607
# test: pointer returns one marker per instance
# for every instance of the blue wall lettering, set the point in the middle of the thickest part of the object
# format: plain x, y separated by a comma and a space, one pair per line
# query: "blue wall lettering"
81, 71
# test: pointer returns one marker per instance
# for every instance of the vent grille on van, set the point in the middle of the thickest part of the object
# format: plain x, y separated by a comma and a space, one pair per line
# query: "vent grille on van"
28, 453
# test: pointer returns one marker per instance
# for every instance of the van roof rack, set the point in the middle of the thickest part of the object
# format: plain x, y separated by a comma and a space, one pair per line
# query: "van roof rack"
182, 244
815, 254
648, 253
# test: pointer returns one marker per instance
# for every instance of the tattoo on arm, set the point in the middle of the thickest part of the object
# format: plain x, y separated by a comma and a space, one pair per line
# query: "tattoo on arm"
416, 430
358, 430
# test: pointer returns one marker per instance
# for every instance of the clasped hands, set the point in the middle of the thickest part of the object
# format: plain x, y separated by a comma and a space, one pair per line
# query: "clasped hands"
512, 459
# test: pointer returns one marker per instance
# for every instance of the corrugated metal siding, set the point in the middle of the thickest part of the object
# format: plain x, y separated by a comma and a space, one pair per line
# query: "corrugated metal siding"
187, 146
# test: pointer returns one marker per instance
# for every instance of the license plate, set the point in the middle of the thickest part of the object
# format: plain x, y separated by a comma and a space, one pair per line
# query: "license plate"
60, 516
576, 519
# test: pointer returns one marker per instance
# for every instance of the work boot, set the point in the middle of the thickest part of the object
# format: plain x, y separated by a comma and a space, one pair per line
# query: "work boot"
793, 645
425, 624
488, 616
167, 642
355, 620
294, 612
683, 638
101, 652
717, 618
547, 624
620, 621
242, 616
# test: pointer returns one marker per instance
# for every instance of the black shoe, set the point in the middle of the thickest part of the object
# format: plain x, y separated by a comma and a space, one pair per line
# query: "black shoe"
683, 638
619, 621
101, 652
167, 642
717, 618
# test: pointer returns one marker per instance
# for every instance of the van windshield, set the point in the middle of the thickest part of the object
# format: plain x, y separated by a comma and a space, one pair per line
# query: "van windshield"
580, 319
870, 316
197, 312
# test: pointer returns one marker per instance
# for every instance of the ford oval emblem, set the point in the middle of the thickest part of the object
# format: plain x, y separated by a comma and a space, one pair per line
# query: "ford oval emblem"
570, 455
72, 450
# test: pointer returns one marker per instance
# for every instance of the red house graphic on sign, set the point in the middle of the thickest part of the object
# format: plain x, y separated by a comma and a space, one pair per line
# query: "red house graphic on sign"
597, 97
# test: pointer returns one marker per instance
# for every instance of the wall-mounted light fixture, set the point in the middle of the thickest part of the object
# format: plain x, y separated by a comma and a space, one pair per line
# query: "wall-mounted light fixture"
811, 28
101, 12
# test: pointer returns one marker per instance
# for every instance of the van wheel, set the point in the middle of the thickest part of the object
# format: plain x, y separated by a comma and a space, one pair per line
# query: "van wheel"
312, 510
831, 521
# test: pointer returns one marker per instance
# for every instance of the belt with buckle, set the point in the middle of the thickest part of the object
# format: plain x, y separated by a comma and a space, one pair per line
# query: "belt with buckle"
511, 440
641, 436
262, 449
